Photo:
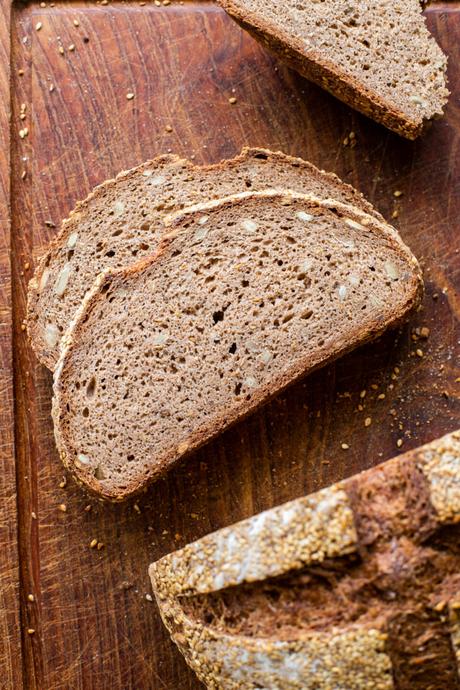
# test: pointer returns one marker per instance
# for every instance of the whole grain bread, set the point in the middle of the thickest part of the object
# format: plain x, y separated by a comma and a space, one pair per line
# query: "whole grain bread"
244, 296
356, 587
375, 55
120, 222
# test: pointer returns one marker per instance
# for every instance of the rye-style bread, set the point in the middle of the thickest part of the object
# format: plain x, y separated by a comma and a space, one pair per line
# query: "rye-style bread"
244, 296
356, 587
120, 222
375, 55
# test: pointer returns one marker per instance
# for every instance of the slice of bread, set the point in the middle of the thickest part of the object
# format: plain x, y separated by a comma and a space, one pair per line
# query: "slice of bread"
375, 55
356, 587
244, 296
120, 222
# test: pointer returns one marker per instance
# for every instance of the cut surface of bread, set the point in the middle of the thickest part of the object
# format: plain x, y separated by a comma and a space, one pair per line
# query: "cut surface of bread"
356, 587
120, 222
244, 296
375, 55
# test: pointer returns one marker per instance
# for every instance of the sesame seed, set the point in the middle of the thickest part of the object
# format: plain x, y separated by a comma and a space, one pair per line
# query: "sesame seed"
30, 597
88, 508
381, 396
21, 72
419, 352
100, 545
130, 96
363, 394
367, 421
34, 515
23, 326
23, 132
166, 2
30, 631
76, 22
61, 50
168, 128
395, 214
63, 483
399, 442
149, 597
344, 446
232, 100
136, 508
72, 47
93, 544
38, 26
51, 89
398, 193
62, 507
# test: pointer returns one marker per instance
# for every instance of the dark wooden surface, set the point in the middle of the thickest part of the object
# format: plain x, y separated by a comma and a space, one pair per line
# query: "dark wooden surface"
94, 627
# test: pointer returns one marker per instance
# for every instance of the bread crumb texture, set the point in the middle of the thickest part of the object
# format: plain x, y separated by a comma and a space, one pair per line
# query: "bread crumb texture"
245, 296
376, 55
121, 222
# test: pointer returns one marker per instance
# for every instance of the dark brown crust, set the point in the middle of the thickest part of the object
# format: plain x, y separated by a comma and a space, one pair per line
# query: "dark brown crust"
48, 357
223, 418
316, 68
405, 555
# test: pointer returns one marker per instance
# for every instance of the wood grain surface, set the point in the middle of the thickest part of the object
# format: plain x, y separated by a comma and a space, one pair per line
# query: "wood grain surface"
94, 626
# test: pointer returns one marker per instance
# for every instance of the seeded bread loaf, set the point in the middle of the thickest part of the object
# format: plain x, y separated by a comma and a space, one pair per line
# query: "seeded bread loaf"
356, 587
244, 296
375, 55
120, 222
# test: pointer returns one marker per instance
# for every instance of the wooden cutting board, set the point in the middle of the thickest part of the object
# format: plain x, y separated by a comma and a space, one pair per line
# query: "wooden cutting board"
94, 626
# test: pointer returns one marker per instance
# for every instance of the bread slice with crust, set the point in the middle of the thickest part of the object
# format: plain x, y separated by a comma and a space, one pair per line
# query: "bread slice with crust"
355, 587
244, 296
121, 222
375, 55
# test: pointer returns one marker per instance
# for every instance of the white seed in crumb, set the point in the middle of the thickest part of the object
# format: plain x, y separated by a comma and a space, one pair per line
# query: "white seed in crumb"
72, 241
249, 225
149, 597
44, 279
354, 280
354, 224
418, 100
203, 220
391, 270
118, 207
83, 459
266, 356
306, 265
160, 338
250, 382
51, 335
306, 217
201, 233
156, 181
342, 292
62, 280
147, 173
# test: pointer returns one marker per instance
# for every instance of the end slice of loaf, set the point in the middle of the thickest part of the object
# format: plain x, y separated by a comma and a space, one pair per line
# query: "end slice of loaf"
121, 222
375, 55
245, 296
355, 587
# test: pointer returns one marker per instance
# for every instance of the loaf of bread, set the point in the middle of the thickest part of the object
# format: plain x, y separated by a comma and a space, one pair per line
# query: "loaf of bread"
375, 55
356, 587
244, 296
121, 222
